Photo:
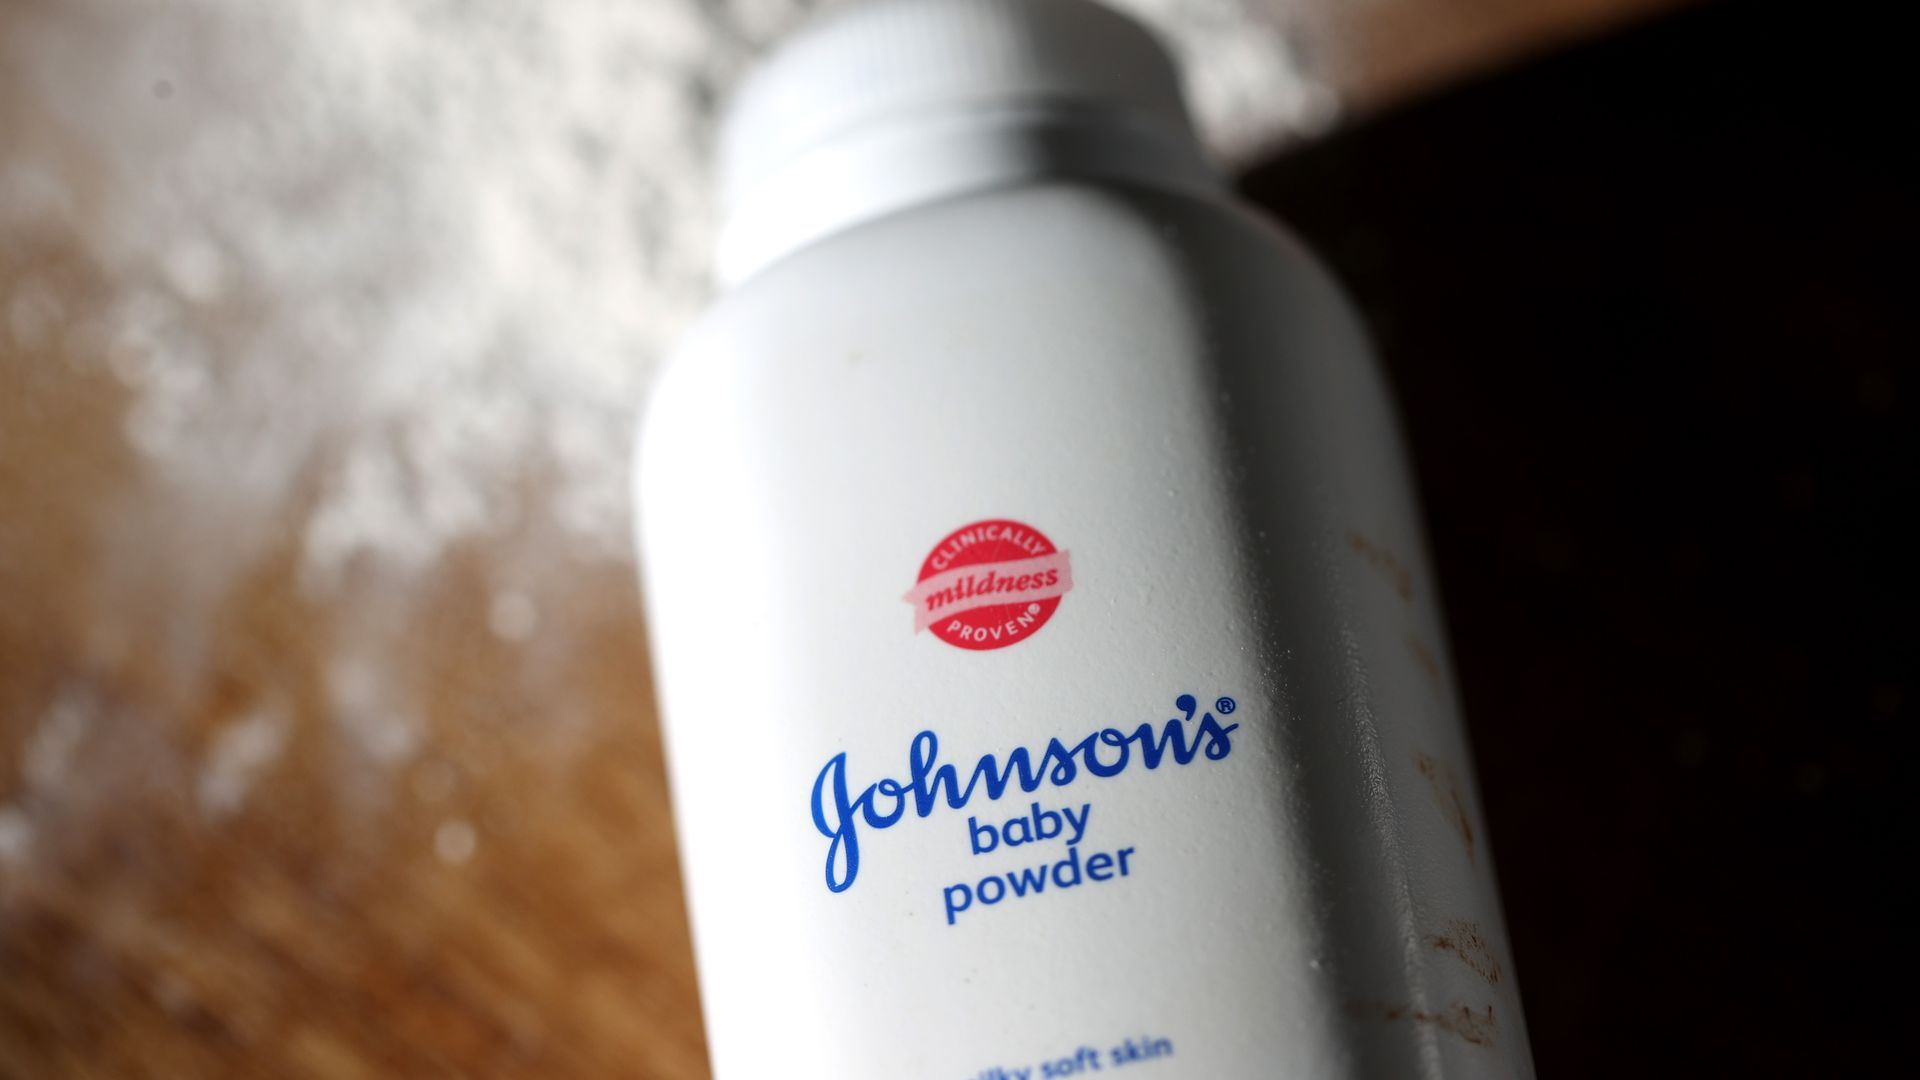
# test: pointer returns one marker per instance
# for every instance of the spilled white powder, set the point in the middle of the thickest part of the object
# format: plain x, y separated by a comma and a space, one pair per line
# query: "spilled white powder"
513, 616
455, 842
241, 752
370, 710
380, 257
55, 743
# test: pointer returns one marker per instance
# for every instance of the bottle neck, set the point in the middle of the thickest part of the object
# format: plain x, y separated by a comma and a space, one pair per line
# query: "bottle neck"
876, 171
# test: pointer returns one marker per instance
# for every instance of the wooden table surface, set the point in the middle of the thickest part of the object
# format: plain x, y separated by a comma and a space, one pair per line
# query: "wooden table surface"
391, 828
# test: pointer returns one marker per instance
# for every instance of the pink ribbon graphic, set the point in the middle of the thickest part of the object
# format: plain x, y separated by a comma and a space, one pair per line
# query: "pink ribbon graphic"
965, 588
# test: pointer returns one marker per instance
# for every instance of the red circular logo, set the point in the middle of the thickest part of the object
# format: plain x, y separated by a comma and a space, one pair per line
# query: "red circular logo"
990, 584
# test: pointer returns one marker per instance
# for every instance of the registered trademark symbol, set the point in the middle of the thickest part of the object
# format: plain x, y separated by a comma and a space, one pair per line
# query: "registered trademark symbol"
1225, 705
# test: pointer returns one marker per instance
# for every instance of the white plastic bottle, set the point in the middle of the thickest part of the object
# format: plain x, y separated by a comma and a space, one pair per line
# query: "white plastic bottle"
1052, 676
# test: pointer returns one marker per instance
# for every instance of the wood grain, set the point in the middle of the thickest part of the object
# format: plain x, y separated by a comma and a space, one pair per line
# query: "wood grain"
497, 896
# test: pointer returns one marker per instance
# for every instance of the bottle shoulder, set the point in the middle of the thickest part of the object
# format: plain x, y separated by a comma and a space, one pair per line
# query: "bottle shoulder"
1004, 292
1061, 224
1018, 249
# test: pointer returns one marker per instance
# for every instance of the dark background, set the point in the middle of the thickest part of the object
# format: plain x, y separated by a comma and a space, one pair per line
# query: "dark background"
1648, 308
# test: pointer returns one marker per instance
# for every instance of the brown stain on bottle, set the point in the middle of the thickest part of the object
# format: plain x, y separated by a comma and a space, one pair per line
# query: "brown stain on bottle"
1475, 1025
1384, 561
1428, 662
1446, 793
1463, 939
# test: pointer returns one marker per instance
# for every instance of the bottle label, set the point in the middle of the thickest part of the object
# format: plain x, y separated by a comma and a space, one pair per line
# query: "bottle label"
845, 811
989, 585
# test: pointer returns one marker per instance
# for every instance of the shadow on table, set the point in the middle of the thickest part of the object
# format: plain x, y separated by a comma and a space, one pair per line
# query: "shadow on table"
1648, 309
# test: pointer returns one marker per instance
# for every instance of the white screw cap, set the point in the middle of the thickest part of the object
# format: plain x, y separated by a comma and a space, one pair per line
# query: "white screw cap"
893, 103
885, 61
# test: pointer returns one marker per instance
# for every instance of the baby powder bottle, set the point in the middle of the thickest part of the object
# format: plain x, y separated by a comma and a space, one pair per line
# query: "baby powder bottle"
1052, 676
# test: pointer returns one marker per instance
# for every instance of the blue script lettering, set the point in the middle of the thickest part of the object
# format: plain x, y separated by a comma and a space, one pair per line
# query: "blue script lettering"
838, 813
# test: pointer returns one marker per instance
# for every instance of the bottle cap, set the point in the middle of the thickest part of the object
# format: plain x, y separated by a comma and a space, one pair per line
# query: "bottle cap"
891, 101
